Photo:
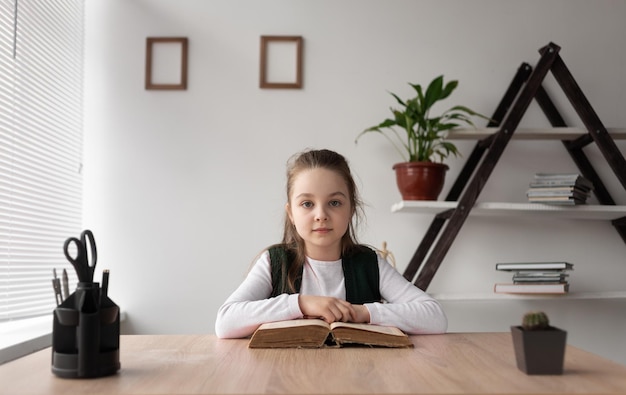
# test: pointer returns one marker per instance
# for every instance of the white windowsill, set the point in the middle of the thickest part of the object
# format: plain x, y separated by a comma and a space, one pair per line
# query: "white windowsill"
22, 337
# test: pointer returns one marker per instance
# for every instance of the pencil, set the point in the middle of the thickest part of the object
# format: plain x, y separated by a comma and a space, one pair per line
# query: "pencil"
66, 286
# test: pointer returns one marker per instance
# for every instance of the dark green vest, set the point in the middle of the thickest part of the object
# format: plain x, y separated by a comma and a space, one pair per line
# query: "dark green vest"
360, 270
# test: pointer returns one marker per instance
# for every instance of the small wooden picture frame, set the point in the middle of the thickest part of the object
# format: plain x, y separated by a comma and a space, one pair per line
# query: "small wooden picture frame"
281, 62
164, 70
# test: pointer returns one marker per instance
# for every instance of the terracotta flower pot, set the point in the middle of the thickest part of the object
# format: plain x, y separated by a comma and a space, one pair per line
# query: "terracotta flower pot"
420, 180
539, 351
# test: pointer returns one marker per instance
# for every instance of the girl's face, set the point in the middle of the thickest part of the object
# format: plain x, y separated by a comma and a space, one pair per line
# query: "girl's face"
319, 208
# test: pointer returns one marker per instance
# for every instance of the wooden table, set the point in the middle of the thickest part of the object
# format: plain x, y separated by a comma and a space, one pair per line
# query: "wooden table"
198, 364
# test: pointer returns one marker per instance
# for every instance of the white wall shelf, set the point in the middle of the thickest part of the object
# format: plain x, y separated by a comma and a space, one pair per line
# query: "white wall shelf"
581, 211
477, 296
562, 133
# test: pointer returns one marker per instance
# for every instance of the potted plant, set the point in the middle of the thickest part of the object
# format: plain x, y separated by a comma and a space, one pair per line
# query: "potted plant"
424, 139
539, 347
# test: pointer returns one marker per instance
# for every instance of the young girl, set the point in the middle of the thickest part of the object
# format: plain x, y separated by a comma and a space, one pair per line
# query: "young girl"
319, 270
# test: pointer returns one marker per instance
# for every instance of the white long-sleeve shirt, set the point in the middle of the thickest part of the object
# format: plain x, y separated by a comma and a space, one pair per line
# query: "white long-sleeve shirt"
407, 307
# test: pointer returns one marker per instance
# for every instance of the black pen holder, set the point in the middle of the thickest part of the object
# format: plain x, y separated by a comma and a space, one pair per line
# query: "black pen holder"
86, 334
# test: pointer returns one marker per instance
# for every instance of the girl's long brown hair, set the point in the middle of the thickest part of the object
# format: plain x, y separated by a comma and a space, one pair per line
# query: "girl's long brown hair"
314, 159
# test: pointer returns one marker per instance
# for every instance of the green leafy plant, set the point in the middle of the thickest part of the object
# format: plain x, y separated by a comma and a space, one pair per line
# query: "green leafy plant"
535, 320
424, 138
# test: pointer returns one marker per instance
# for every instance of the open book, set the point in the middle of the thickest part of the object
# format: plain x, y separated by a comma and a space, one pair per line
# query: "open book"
316, 333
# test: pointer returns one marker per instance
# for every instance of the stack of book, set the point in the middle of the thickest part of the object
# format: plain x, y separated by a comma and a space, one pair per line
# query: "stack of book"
559, 188
535, 277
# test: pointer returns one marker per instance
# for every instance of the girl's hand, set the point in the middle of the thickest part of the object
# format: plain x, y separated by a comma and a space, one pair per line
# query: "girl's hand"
327, 308
362, 314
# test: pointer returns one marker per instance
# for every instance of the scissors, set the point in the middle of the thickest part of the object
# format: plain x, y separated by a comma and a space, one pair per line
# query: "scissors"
81, 262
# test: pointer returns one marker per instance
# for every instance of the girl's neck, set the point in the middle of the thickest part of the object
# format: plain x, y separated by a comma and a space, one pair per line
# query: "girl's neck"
324, 254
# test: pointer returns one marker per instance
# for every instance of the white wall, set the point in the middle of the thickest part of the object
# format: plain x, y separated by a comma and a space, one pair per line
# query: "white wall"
184, 188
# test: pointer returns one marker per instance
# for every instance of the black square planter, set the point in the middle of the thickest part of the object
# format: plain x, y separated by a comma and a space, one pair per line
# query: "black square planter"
539, 351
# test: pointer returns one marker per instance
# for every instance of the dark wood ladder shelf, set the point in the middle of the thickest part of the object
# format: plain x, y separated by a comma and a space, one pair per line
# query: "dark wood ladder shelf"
525, 86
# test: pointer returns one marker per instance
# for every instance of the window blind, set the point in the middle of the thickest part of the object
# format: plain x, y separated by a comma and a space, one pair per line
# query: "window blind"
41, 85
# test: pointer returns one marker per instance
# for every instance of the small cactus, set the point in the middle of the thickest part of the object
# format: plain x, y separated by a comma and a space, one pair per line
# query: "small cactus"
534, 321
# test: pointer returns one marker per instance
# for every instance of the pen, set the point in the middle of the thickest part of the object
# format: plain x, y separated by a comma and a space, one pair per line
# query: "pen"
56, 286
105, 285
66, 287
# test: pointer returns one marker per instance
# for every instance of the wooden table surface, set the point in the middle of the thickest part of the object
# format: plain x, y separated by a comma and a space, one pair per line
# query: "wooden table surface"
203, 364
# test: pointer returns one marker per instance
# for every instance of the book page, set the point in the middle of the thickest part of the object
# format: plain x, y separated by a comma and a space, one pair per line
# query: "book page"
294, 323
388, 330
